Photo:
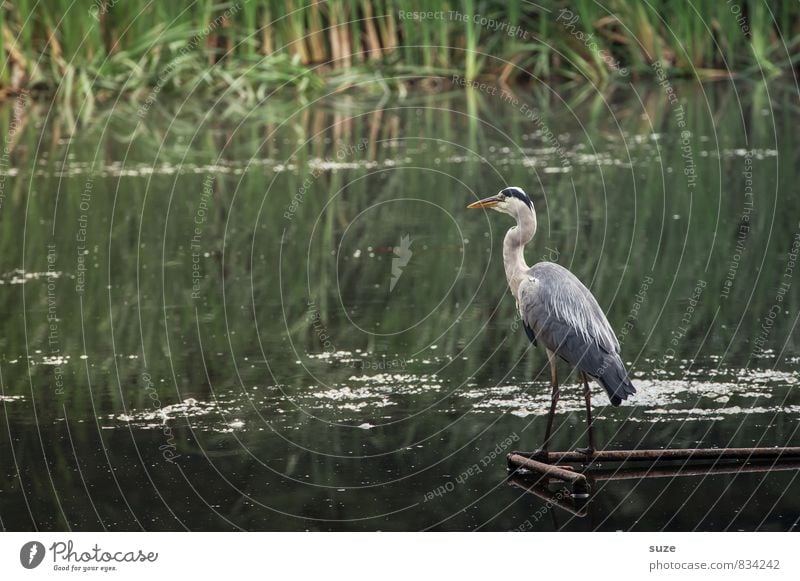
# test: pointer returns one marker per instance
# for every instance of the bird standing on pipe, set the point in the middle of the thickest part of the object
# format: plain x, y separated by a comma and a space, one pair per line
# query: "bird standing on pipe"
560, 312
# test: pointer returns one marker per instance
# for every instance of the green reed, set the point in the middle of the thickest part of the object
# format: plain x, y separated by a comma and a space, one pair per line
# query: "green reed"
94, 51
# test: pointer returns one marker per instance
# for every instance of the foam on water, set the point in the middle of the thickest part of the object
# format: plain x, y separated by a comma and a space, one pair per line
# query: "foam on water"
701, 393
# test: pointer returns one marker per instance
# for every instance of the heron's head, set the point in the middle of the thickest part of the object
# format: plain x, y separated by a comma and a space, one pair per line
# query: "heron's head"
512, 201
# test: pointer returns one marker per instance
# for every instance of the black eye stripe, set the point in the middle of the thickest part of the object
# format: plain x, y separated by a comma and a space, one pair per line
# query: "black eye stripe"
519, 194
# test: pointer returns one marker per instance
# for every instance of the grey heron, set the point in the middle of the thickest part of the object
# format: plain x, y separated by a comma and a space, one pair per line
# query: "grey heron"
560, 312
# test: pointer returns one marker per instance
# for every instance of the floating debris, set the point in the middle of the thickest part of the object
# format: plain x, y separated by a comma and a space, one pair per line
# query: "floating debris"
700, 394
11, 398
19, 276
187, 408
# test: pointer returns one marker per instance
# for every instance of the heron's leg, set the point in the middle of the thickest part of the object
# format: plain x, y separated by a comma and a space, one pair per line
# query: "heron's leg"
553, 401
587, 395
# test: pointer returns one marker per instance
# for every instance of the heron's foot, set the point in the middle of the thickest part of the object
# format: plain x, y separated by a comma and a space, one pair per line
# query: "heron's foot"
589, 451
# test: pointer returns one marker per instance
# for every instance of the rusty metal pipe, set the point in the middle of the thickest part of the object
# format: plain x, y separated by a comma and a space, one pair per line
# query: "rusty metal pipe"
542, 468
692, 471
664, 455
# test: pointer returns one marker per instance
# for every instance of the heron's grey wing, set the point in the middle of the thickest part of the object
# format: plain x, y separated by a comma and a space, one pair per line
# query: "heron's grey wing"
529, 332
565, 317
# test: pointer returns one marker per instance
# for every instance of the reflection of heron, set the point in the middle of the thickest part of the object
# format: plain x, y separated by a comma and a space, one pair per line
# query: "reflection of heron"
559, 311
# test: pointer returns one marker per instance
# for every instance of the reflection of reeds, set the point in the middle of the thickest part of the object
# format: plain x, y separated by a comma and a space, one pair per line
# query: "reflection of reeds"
619, 229
250, 48
140, 226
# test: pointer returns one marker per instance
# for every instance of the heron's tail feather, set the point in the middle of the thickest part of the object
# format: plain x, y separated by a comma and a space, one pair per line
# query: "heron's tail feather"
613, 377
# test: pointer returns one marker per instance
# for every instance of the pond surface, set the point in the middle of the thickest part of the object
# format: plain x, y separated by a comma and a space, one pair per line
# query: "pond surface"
286, 319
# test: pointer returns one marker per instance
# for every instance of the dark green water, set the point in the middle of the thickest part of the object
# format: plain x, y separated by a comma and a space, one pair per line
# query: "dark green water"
202, 330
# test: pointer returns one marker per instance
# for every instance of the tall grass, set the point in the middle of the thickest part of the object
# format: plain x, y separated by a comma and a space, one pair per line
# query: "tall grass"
80, 50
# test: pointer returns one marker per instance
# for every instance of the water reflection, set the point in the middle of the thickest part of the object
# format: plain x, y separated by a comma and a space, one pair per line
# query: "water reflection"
232, 291
578, 503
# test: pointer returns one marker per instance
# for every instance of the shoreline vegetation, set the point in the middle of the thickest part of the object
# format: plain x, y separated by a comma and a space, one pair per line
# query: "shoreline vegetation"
247, 49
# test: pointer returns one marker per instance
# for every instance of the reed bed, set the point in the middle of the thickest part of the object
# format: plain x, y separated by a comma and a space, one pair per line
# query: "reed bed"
108, 48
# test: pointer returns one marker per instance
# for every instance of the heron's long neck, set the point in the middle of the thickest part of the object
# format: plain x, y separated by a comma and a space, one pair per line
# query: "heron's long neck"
514, 248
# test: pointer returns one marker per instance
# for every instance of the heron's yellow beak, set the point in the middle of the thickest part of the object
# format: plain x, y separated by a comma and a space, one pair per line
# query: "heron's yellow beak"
485, 203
